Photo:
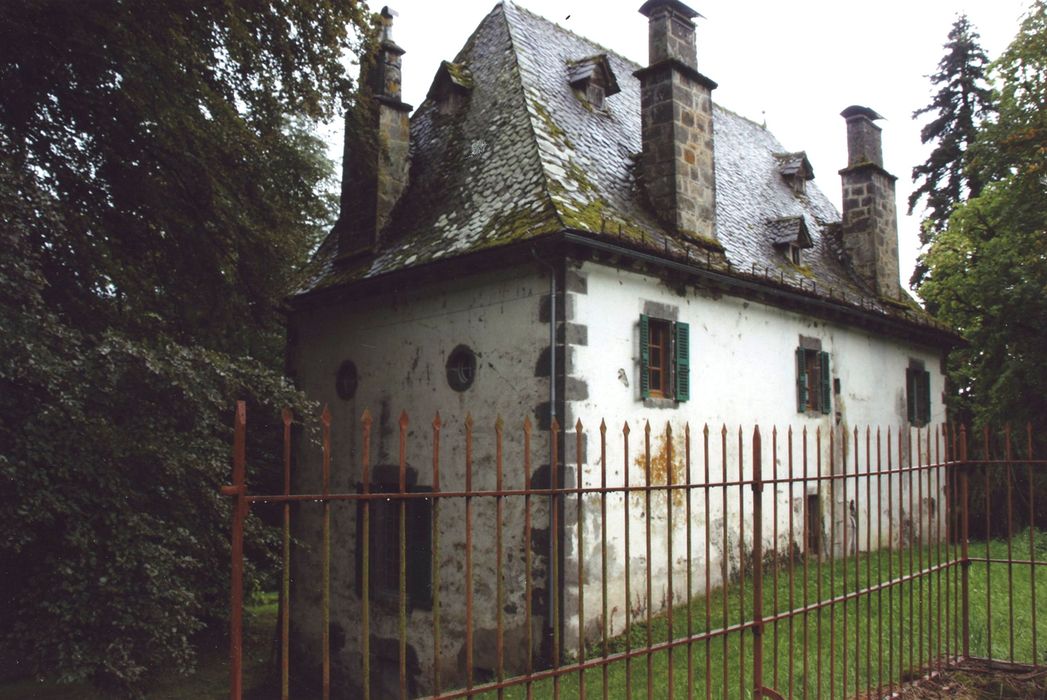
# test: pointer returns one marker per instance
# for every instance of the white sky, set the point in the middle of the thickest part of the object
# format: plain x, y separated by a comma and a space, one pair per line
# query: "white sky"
796, 64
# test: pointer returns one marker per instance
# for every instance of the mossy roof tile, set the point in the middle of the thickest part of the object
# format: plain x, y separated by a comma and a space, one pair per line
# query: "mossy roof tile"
526, 158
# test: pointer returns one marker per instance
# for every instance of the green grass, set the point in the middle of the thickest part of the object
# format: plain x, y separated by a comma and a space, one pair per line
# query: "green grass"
210, 681
902, 621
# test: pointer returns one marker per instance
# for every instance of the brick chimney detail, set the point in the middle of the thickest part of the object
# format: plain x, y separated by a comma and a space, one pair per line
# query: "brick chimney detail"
677, 168
377, 147
870, 217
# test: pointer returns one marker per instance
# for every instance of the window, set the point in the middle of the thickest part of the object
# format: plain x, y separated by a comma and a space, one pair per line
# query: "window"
812, 524
593, 80
918, 393
384, 546
461, 368
346, 380
799, 182
665, 359
595, 95
794, 254
813, 381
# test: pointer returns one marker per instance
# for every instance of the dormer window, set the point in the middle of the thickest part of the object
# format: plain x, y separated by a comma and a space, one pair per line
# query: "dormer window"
595, 95
593, 80
451, 87
796, 170
794, 254
791, 236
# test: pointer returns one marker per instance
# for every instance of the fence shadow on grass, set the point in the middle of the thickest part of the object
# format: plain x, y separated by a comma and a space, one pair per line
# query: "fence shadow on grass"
459, 560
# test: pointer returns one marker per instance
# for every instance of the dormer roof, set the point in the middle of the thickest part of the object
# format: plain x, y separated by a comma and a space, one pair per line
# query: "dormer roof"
789, 231
593, 68
450, 77
795, 164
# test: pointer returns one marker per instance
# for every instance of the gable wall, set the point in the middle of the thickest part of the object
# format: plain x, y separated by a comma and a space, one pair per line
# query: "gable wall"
400, 345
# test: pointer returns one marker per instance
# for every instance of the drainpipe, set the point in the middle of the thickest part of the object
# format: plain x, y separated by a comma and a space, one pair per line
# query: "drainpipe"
549, 586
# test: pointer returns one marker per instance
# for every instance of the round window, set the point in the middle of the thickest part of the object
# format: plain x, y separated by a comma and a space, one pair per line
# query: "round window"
461, 368
346, 380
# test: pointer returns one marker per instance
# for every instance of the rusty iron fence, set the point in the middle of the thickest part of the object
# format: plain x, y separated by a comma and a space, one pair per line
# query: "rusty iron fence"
675, 563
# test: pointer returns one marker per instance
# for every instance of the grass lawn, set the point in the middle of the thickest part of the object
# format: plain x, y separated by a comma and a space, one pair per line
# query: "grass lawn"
866, 642
211, 679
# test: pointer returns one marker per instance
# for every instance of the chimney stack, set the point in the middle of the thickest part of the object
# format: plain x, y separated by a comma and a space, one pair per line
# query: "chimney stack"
870, 217
377, 147
677, 168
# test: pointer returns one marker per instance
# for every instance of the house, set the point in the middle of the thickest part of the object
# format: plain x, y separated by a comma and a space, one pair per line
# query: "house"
557, 231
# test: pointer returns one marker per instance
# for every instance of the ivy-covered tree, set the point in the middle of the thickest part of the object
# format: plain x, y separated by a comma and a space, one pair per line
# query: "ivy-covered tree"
963, 100
160, 184
988, 268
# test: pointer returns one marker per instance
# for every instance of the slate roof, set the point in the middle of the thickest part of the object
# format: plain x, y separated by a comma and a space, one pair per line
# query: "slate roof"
790, 230
526, 158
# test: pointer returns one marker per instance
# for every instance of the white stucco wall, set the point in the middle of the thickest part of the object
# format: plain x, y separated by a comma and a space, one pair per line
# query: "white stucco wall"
400, 343
743, 373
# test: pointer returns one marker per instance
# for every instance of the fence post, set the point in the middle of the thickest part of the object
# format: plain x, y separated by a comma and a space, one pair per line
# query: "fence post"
757, 566
236, 583
964, 537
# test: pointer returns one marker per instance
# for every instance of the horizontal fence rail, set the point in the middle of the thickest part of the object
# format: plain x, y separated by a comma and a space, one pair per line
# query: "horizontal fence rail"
453, 560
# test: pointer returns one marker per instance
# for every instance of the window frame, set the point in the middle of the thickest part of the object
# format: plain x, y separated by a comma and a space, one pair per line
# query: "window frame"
795, 255
418, 539
918, 394
595, 94
814, 385
674, 359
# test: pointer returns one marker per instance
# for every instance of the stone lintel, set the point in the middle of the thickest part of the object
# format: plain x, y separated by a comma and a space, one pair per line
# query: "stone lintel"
868, 166
393, 103
671, 63
652, 6
392, 47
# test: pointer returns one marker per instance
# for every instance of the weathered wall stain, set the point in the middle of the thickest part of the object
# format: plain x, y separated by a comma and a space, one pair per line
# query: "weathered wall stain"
663, 465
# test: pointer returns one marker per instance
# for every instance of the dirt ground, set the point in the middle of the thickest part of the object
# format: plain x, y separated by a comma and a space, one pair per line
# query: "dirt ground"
980, 681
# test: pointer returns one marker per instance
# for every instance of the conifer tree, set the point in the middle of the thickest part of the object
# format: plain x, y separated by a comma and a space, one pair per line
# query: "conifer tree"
963, 100
987, 268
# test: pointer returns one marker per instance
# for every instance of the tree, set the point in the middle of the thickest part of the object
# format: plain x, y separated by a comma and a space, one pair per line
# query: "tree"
988, 268
160, 186
963, 100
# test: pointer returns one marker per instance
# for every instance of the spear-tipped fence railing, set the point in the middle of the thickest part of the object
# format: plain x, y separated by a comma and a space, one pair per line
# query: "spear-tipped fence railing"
813, 564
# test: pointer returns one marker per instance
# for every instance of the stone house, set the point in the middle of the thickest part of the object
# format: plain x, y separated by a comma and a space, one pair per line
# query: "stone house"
558, 231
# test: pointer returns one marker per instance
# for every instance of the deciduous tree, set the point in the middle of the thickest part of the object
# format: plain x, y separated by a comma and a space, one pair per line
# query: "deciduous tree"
160, 185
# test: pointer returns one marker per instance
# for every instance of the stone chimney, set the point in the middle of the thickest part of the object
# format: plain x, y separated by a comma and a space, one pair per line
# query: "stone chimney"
677, 168
377, 146
870, 218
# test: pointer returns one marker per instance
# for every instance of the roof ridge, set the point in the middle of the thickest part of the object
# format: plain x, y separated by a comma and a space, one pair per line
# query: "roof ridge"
550, 201
604, 49
718, 105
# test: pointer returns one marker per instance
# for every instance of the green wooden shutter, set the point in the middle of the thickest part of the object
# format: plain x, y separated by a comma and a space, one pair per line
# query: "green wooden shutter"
420, 551
801, 380
826, 384
925, 397
645, 354
910, 393
683, 362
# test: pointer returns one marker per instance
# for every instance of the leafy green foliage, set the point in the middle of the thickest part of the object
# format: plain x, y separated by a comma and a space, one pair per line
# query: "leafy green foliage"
160, 186
988, 269
963, 100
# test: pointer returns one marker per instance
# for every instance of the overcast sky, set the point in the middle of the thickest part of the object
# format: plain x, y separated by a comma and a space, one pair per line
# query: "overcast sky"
796, 64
